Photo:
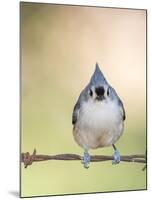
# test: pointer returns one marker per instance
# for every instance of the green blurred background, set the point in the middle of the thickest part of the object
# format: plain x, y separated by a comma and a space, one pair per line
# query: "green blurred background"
59, 48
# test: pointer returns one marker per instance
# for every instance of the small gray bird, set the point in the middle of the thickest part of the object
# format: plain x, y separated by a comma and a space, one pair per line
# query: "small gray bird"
98, 117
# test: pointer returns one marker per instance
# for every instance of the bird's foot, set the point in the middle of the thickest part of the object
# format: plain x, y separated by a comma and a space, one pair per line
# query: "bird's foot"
86, 159
116, 157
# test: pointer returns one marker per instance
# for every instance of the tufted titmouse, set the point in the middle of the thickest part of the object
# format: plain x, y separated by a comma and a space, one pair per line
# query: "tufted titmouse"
98, 117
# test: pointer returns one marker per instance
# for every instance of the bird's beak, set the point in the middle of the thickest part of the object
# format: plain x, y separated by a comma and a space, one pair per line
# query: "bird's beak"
100, 98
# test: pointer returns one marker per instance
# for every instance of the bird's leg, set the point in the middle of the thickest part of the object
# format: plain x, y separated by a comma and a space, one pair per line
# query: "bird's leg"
86, 159
116, 156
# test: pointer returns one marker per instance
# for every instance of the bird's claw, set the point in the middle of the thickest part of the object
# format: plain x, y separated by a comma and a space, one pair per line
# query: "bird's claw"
86, 160
117, 157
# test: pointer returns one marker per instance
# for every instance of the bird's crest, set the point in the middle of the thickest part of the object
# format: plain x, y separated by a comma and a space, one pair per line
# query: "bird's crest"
98, 77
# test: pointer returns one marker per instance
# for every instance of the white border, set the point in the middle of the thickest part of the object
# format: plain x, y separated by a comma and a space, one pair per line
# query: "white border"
9, 98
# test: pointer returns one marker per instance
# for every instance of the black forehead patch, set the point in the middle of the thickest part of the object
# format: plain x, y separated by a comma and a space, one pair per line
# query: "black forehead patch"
99, 91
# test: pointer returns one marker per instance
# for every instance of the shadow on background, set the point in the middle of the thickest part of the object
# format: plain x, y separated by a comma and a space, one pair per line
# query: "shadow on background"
14, 193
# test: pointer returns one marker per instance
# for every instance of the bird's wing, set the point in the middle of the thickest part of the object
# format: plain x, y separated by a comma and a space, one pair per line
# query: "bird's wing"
122, 109
82, 98
114, 94
75, 113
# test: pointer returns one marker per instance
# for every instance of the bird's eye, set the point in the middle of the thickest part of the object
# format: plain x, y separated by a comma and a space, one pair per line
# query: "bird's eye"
90, 92
108, 91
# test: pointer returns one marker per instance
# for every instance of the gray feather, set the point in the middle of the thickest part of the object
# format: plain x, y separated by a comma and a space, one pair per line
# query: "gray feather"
98, 77
114, 95
123, 110
75, 113
82, 98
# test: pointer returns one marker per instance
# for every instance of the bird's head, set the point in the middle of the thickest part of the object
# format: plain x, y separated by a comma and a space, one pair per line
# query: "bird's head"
98, 89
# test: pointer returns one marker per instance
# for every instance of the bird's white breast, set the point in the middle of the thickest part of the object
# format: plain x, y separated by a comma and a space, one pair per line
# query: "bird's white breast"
99, 124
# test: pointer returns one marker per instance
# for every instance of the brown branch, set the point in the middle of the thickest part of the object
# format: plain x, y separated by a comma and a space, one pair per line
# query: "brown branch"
28, 159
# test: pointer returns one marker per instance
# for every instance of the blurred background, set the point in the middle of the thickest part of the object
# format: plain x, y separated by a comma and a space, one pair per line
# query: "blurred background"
59, 48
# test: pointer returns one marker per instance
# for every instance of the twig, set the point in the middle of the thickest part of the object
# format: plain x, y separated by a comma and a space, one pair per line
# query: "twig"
28, 159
